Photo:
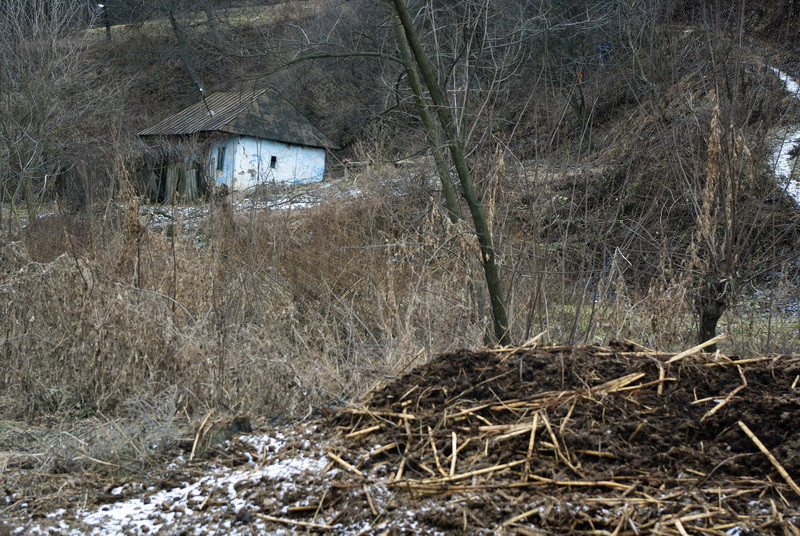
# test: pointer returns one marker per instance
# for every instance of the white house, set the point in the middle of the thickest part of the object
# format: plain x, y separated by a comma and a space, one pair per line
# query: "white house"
249, 138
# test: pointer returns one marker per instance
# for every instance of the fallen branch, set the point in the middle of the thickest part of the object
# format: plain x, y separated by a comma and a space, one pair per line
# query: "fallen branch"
695, 349
773, 460
344, 464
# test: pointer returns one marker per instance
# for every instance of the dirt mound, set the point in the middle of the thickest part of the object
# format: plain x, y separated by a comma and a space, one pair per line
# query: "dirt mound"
588, 440
555, 440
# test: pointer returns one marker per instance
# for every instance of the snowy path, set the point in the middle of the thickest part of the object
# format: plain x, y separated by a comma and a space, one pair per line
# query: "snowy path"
786, 166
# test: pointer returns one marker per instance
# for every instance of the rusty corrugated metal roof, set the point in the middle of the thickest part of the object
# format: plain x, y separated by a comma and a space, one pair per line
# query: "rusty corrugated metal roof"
261, 113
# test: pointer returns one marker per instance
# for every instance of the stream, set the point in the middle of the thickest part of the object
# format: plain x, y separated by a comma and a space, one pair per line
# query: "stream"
787, 168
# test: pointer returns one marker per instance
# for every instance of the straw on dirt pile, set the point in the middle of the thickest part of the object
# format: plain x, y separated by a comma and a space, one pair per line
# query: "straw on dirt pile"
615, 440
586, 440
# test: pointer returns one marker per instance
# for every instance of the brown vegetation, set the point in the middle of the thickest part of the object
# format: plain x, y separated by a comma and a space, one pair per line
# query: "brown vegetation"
623, 162
530, 440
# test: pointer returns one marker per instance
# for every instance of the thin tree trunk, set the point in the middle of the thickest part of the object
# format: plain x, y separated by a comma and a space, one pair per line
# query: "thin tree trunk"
490, 269
183, 50
106, 21
212, 22
27, 178
442, 168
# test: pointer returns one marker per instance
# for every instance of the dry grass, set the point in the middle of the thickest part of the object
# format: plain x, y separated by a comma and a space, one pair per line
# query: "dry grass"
117, 334
265, 312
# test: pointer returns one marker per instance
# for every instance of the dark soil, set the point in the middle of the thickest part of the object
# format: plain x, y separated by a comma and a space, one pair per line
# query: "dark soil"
658, 448
624, 443
670, 433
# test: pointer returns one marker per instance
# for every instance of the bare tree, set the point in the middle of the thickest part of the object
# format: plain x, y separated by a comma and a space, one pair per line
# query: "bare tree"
434, 140
739, 239
470, 193
51, 97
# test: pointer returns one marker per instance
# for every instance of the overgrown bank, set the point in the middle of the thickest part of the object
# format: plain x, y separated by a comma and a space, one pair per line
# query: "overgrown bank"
280, 311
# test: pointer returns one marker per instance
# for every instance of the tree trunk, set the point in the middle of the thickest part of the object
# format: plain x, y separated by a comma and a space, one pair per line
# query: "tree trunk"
450, 199
711, 304
106, 21
183, 50
27, 179
26, 176
212, 22
490, 269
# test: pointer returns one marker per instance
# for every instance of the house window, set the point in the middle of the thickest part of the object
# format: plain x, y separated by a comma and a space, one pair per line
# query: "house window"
221, 159
273, 162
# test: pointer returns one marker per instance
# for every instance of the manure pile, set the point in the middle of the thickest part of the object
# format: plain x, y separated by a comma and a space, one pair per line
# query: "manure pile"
584, 440
611, 440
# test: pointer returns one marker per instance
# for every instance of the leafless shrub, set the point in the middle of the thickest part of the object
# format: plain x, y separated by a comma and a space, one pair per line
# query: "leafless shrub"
267, 311
58, 112
144, 429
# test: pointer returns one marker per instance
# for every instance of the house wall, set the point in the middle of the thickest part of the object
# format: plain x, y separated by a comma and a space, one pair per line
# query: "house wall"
249, 161
223, 175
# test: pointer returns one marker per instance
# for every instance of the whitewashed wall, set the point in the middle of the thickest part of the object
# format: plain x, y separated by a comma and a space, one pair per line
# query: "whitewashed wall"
248, 162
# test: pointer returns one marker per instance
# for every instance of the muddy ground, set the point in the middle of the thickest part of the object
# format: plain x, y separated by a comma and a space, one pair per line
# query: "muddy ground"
553, 440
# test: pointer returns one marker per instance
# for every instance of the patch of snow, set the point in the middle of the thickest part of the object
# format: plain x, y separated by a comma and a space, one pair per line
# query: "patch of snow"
791, 85
785, 165
168, 510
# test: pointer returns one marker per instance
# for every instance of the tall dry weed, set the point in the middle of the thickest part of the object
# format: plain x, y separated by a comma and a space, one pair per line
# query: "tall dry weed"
278, 312
272, 312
